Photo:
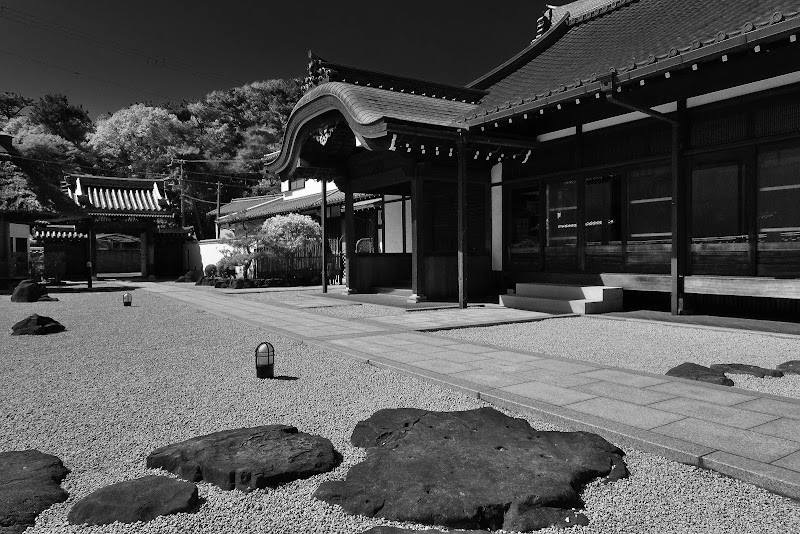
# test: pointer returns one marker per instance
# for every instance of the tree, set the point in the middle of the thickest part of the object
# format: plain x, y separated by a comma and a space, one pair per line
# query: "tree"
54, 112
11, 104
140, 137
244, 249
284, 236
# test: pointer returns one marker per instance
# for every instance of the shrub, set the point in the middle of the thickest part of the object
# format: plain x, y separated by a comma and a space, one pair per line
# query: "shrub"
210, 270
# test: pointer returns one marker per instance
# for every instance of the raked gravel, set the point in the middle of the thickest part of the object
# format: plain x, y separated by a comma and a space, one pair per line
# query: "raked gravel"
120, 382
650, 347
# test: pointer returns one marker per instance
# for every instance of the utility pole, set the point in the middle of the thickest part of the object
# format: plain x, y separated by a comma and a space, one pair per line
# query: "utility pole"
219, 187
183, 213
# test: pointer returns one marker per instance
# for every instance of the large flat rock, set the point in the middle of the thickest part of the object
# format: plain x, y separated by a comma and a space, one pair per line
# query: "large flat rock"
477, 469
746, 369
30, 482
141, 499
28, 291
248, 458
701, 373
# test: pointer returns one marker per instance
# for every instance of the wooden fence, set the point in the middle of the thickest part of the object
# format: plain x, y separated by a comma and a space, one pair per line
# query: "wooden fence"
307, 262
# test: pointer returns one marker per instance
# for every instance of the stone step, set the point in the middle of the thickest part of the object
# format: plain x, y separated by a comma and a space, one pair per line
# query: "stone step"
560, 306
396, 291
569, 292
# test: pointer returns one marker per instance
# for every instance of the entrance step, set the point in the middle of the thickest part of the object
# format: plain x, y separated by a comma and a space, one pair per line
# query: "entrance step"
395, 291
560, 298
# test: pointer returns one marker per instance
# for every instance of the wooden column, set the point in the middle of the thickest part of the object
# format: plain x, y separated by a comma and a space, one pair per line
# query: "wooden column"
4, 247
350, 243
462, 222
417, 256
679, 217
322, 218
403, 222
383, 224
580, 202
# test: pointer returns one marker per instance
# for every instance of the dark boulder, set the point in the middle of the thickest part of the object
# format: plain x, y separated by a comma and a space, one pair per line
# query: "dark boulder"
791, 367
141, 499
37, 325
398, 530
693, 371
477, 469
30, 482
745, 369
248, 458
28, 291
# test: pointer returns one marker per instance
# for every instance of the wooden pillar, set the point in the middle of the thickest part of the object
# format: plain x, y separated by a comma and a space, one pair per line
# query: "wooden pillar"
4, 247
462, 222
679, 217
403, 222
417, 255
580, 201
383, 223
144, 252
323, 224
350, 243
91, 255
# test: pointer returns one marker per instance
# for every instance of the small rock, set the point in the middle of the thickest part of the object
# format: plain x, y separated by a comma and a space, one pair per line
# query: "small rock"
30, 482
791, 367
694, 371
398, 530
47, 298
28, 291
745, 369
248, 458
37, 325
141, 499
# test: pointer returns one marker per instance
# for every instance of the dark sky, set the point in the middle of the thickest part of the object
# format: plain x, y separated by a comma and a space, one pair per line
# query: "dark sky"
100, 52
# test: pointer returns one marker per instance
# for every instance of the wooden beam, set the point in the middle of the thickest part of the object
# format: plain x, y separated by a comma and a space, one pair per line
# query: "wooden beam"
350, 243
680, 235
417, 252
462, 223
323, 224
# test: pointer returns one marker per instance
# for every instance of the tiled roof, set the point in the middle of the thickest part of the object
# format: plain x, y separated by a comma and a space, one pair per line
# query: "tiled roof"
243, 204
367, 105
118, 196
623, 35
58, 234
578, 8
293, 205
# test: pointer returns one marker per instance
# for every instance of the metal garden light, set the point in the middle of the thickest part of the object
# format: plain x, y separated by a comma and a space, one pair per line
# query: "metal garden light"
265, 360
127, 299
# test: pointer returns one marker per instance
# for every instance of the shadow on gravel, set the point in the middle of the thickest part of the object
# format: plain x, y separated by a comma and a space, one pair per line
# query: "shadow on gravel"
115, 289
283, 377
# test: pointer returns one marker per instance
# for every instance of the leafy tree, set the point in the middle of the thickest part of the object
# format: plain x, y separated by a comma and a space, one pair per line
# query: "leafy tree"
286, 235
141, 138
12, 104
35, 141
244, 250
54, 112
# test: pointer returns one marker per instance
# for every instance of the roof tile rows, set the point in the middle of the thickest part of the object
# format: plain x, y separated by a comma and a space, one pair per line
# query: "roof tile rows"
118, 196
624, 35
291, 205
367, 105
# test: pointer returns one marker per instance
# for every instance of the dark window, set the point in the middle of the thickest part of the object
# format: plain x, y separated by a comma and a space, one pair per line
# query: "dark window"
716, 205
562, 220
296, 183
650, 204
525, 237
603, 210
22, 245
779, 194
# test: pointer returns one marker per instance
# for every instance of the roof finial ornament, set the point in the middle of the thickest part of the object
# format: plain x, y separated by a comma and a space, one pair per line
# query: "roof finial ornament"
316, 73
544, 22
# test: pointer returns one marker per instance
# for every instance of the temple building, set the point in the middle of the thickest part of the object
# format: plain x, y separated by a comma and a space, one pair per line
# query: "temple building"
651, 145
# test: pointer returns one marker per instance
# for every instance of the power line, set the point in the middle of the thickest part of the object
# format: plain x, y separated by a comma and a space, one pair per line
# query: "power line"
65, 69
39, 23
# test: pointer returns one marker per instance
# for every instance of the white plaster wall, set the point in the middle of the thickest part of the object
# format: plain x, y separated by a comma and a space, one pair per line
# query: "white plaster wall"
205, 252
497, 218
394, 224
312, 186
19, 230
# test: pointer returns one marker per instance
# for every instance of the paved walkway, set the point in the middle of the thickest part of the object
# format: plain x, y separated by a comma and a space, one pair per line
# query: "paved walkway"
747, 435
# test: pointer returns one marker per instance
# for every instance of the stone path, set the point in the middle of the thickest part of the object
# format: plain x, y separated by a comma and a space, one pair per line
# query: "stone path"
747, 435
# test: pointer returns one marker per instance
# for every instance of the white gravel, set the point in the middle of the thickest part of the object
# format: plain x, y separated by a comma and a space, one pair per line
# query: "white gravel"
359, 312
123, 381
645, 346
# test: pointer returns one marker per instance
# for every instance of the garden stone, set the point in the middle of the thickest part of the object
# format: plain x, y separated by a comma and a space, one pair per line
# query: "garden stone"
693, 371
476, 469
47, 298
791, 367
30, 482
28, 291
398, 530
248, 458
37, 325
141, 499
745, 369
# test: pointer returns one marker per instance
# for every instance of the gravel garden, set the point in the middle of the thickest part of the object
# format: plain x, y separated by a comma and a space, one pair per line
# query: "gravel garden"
120, 382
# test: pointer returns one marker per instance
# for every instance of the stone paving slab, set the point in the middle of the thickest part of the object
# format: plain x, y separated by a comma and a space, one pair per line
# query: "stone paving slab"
424, 321
744, 434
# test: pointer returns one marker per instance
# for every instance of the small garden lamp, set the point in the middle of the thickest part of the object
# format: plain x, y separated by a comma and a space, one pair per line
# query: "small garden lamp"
127, 299
265, 360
